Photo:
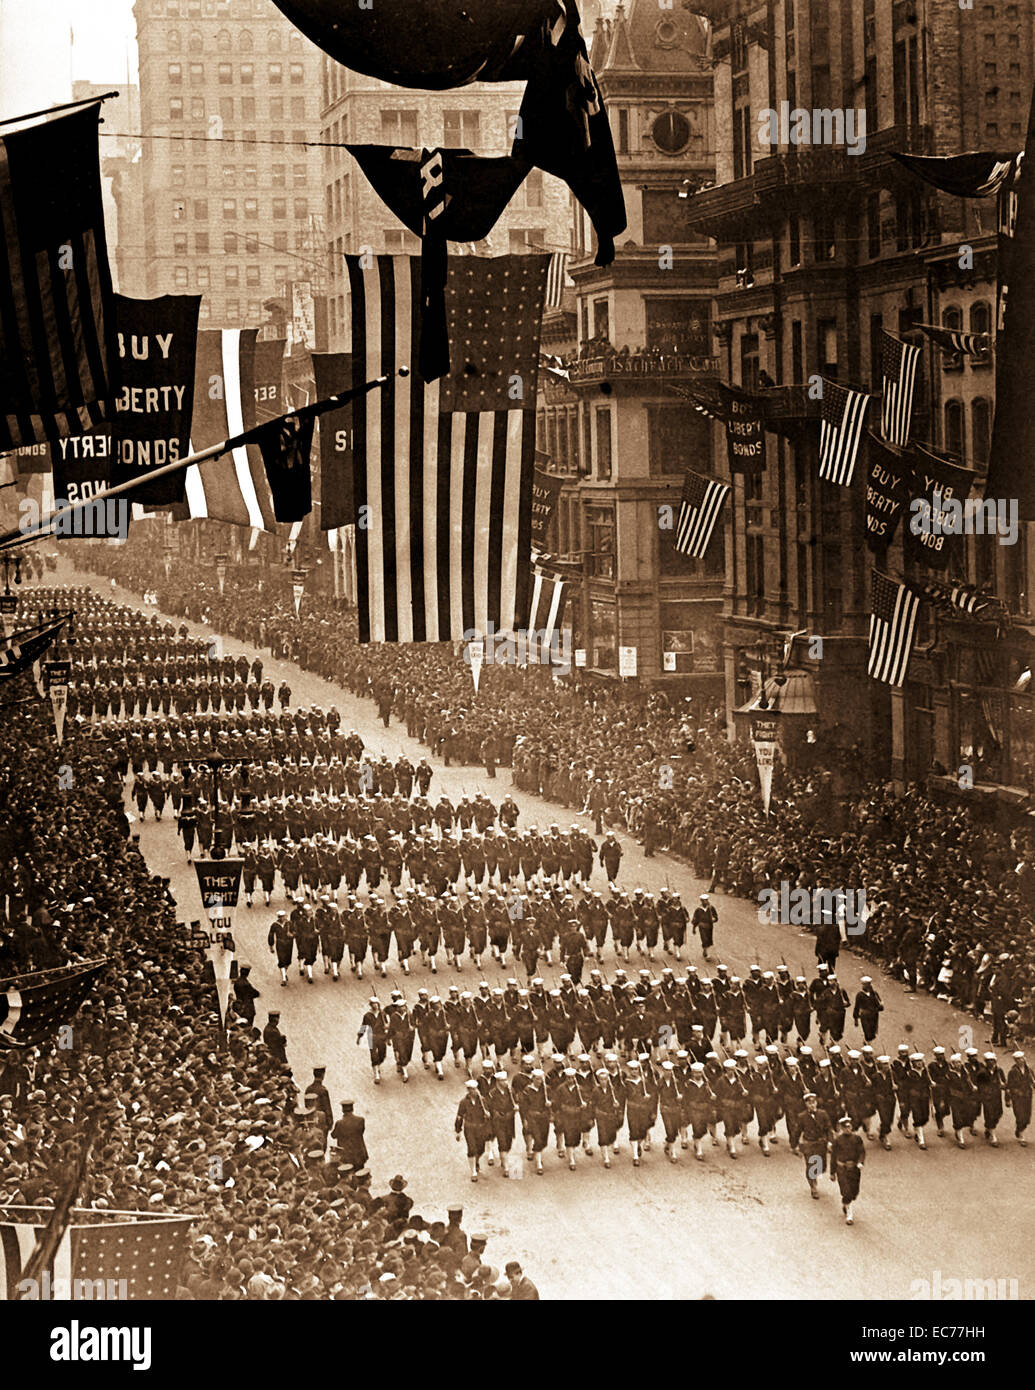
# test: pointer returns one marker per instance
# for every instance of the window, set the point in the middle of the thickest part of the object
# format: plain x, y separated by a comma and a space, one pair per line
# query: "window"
824, 246
247, 73
276, 74
298, 175
233, 310
179, 243
176, 74
623, 130
249, 176
399, 127
278, 175
980, 318
603, 636
197, 108
600, 541
534, 189
197, 74
252, 276
180, 278
176, 109
461, 128
195, 43
201, 243
676, 434
177, 174
179, 210
223, 41
199, 175
525, 239
298, 108
230, 243
251, 209
793, 240
678, 326
245, 42
279, 208
953, 442
797, 353
203, 277
826, 347
399, 243
251, 244
229, 208
229, 175
296, 74
876, 329
173, 41
603, 456
280, 241
247, 108
226, 108
664, 218
749, 361
301, 208
980, 431
273, 44
873, 226
232, 276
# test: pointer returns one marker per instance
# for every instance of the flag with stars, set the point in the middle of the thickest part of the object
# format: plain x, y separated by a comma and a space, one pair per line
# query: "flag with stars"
841, 425
699, 510
892, 625
34, 1006
21, 649
443, 469
143, 1249
898, 364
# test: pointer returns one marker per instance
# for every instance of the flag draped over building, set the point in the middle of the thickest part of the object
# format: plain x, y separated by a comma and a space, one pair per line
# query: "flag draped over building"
898, 362
973, 175
1011, 462
699, 509
231, 366
443, 470
58, 361
97, 1249
841, 425
33, 1006
957, 598
892, 624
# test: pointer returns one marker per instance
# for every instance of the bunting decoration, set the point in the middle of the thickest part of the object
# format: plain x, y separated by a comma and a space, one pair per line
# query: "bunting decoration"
19, 651
58, 360
444, 469
976, 174
558, 279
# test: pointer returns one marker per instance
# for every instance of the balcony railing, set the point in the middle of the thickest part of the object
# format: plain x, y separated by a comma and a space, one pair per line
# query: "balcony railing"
665, 364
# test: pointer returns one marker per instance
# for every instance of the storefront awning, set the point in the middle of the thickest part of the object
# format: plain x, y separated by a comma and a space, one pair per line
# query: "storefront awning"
791, 693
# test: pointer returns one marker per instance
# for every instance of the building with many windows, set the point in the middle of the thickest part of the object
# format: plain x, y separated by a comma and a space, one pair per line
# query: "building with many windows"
231, 191
822, 246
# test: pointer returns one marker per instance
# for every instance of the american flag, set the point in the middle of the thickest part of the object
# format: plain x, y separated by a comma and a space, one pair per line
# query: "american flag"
557, 279
956, 341
21, 649
232, 370
443, 470
699, 510
34, 1006
841, 426
145, 1250
892, 624
898, 364
549, 592
956, 597
58, 359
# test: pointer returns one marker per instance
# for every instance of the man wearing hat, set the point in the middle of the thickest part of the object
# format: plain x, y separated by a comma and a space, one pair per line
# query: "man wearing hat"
533, 1103
474, 1122
867, 1009
395, 1205
281, 938
1019, 1086
347, 1134
847, 1156
318, 1091
274, 1039
990, 1090
814, 1141
703, 924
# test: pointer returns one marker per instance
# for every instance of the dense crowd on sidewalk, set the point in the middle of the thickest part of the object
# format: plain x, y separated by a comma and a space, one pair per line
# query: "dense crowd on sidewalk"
951, 898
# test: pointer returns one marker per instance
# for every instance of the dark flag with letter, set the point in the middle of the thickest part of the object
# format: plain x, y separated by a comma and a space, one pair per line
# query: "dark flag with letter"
841, 425
440, 195
333, 373
58, 360
889, 477
444, 469
546, 488
898, 364
1011, 465
82, 466
745, 430
699, 509
286, 445
892, 625
157, 341
935, 531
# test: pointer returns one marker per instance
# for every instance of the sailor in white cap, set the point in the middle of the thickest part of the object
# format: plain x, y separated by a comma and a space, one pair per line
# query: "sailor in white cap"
1019, 1087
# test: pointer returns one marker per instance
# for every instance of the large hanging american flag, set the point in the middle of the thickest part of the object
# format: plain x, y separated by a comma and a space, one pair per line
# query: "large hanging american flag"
58, 361
34, 1006
237, 385
892, 624
145, 1250
898, 364
699, 509
841, 425
443, 470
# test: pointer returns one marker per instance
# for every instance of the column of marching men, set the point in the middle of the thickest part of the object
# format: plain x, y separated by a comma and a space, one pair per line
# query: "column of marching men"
303, 803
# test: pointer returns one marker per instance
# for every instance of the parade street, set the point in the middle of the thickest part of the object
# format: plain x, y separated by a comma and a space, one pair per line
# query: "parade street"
719, 1229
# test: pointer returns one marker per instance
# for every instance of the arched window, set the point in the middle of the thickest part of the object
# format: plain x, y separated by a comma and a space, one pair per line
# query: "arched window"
953, 442
952, 316
980, 430
244, 41
980, 317
295, 42
195, 44
223, 41
273, 41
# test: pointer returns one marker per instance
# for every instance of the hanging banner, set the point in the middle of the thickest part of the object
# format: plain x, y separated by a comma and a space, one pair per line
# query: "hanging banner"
745, 430
475, 657
83, 468
626, 661
221, 570
764, 736
298, 588
221, 958
934, 530
889, 476
158, 341
8, 608
546, 488
56, 675
333, 374
219, 881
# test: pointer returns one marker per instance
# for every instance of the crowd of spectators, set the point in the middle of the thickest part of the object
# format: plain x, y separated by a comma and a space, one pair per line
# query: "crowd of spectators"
951, 897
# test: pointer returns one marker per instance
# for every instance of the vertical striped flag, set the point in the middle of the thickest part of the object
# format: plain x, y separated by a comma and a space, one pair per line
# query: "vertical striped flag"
557, 279
549, 594
443, 469
898, 363
232, 371
892, 623
58, 361
956, 341
699, 510
841, 425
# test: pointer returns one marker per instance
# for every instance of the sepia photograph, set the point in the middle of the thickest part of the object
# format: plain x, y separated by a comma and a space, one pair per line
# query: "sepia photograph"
517, 749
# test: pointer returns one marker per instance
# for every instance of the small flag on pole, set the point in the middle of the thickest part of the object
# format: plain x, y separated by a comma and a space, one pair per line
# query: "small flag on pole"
557, 279
841, 425
699, 510
899, 362
892, 624
956, 341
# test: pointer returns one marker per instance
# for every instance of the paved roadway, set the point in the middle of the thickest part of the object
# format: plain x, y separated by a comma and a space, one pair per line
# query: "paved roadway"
725, 1229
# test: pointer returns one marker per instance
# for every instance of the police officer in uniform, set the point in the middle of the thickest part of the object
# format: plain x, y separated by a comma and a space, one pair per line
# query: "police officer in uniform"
847, 1156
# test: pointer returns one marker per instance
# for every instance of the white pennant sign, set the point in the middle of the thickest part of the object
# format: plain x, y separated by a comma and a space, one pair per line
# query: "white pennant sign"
57, 674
